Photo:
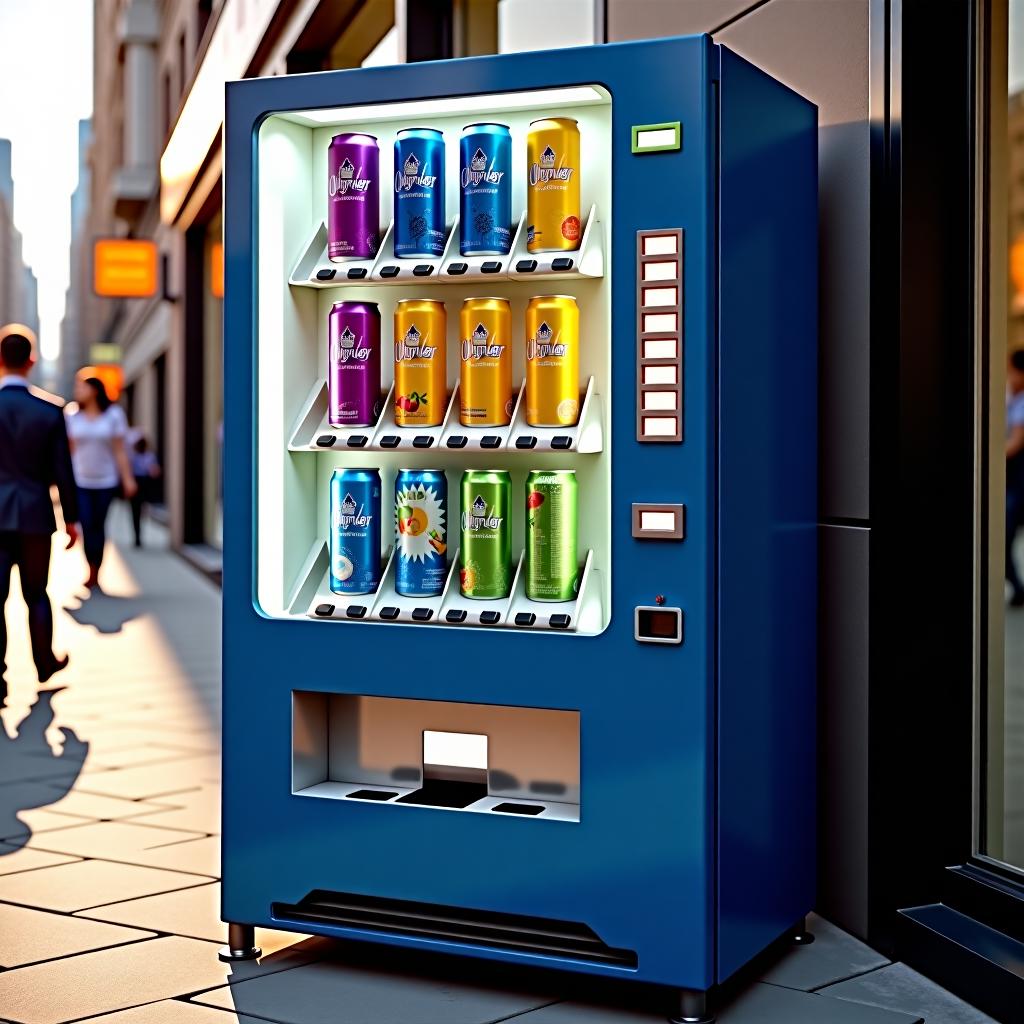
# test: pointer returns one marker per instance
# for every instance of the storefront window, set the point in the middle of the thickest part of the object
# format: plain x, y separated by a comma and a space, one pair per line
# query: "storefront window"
1001, 647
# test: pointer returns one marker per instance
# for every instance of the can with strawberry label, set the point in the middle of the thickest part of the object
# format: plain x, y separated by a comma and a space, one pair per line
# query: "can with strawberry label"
421, 365
552, 569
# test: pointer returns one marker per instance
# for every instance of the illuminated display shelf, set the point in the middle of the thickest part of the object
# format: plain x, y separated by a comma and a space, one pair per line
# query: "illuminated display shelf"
451, 267
386, 606
312, 432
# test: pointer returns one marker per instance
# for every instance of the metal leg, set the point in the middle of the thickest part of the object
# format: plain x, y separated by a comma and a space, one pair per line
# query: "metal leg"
690, 1006
241, 944
801, 936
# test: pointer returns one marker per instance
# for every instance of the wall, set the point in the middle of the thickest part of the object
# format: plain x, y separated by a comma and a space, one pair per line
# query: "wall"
821, 49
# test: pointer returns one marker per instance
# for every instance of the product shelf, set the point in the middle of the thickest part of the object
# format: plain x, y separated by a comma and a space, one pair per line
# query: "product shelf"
581, 616
312, 432
314, 270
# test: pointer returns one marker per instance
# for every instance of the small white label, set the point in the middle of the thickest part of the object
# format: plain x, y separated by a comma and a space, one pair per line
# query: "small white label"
660, 426
661, 245
659, 374
661, 271
660, 401
664, 521
661, 297
660, 323
660, 348
654, 138
454, 749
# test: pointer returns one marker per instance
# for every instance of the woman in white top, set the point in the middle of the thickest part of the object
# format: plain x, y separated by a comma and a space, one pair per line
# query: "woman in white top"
97, 431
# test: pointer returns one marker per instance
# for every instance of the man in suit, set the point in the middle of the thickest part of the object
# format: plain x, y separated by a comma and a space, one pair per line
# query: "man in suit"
34, 454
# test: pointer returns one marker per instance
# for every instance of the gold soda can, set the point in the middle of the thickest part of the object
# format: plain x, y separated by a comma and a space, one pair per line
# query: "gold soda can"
421, 365
552, 361
485, 358
553, 185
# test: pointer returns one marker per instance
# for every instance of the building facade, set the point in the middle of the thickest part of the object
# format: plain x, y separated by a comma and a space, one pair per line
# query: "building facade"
18, 293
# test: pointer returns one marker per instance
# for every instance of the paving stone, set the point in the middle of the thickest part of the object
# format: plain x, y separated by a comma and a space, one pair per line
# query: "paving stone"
170, 1011
198, 856
27, 823
88, 883
335, 993
832, 956
132, 757
900, 988
108, 840
115, 979
199, 810
28, 936
14, 859
156, 780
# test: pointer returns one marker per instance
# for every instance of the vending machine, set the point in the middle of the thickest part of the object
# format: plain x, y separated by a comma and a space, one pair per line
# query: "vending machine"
520, 506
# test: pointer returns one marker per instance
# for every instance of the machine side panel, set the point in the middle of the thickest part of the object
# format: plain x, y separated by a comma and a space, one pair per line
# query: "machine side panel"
767, 512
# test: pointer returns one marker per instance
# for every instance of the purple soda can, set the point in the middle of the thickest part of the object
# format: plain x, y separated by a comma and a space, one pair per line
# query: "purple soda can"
353, 197
353, 364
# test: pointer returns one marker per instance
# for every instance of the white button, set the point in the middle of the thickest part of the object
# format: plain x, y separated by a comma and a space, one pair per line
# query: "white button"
660, 426
661, 297
660, 348
659, 374
660, 401
655, 137
661, 245
661, 271
660, 323
658, 521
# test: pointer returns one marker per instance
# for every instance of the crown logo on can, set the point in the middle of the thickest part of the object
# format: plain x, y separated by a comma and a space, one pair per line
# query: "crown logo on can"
348, 506
479, 161
543, 332
348, 339
347, 169
412, 336
480, 334
480, 506
412, 165
547, 158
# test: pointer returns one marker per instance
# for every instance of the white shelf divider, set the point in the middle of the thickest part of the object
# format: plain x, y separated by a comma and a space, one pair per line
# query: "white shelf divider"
475, 436
311, 425
340, 603
476, 608
586, 436
409, 436
314, 270
411, 609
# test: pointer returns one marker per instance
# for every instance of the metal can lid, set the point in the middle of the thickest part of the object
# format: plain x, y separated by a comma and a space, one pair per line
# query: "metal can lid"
485, 298
435, 131
567, 120
537, 298
486, 124
348, 136
436, 302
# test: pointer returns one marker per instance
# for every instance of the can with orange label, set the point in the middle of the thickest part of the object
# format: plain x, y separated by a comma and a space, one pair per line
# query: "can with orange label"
553, 185
421, 366
552, 361
485, 378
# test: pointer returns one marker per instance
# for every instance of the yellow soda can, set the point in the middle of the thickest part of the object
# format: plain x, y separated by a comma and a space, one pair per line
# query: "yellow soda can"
552, 361
421, 364
485, 377
553, 185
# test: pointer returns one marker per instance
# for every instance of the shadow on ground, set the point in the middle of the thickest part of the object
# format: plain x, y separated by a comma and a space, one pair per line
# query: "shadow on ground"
107, 613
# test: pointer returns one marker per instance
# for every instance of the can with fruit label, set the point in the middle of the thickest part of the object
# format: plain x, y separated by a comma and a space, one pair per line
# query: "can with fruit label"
553, 185
485, 553
552, 569
485, 360
552, 361
355, 531
421, 525
421, 365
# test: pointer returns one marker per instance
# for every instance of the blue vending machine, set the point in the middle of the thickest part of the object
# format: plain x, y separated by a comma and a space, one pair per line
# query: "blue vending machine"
616, 782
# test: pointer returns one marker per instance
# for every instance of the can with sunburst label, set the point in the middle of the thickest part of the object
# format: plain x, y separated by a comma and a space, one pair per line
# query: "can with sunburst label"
421, 525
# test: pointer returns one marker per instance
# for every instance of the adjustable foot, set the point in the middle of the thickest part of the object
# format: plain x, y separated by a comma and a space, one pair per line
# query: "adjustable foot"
801, 937
241, 944
690, 1006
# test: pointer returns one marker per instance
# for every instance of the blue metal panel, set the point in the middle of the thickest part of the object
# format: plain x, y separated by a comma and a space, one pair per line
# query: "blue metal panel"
767, 438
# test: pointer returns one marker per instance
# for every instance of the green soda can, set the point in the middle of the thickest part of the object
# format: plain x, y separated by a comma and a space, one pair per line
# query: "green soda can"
552, 569
486, 550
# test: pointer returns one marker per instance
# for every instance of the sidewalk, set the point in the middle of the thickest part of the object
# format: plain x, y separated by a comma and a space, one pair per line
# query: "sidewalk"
109, 857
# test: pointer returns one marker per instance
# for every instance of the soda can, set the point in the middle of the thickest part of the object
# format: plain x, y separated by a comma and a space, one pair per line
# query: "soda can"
421, 524
355, 531
552, 567
485, 190
552, 361
419, 193
421, 364
485, 377
353, 197
553, 185
353, 364
485, 553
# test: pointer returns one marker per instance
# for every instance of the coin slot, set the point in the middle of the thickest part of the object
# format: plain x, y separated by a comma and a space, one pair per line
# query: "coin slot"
661, 297
659, 270
660, 323
658, 625
661, 245
660, 348
660, 375
660, 401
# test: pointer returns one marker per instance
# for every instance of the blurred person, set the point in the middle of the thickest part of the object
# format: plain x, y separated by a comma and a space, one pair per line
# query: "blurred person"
34, 454
97, 430
1014, 469
146, 470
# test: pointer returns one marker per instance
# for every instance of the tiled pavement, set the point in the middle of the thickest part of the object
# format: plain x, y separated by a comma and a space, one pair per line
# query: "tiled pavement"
109, 857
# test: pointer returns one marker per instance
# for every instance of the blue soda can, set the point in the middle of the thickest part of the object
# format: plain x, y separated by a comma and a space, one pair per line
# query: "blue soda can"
355, 531
419, 193
421, 524
485, 190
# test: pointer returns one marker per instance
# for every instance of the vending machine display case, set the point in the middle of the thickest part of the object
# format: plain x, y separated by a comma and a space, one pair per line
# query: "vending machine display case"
618, 785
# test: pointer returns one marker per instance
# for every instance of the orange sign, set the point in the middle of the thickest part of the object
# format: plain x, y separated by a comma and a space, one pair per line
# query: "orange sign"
217, 270
124, 268
111, 375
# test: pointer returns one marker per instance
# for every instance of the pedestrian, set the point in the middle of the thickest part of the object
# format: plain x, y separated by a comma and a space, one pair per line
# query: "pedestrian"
34, 454
1014, 470
97, 430
146, 470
